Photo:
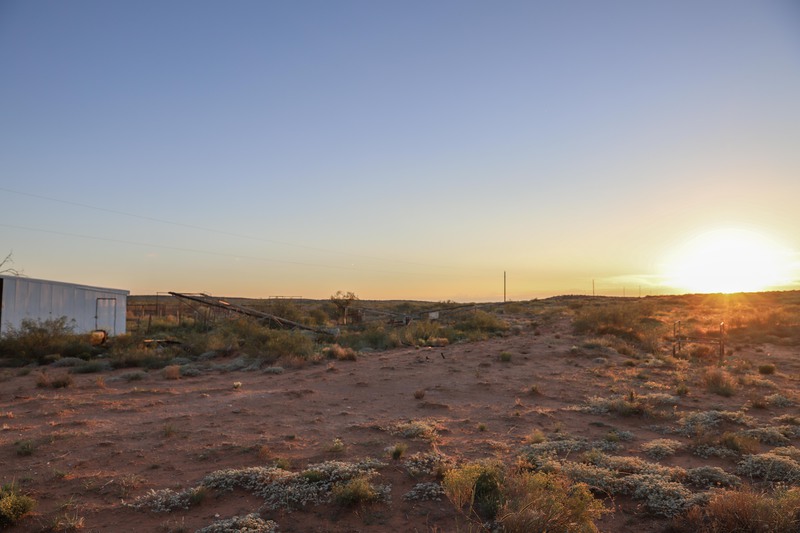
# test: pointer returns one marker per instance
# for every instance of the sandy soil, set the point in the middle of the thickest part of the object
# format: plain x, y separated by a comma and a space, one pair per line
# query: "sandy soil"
97, 445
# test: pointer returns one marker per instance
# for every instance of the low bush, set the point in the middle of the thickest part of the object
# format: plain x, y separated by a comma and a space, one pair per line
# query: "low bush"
355, 491
476, 488
548, 502
33, 341
719, 382
744, 510
13, 505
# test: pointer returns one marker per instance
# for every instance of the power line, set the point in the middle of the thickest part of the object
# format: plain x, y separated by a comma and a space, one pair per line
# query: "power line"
220, 232
192, 250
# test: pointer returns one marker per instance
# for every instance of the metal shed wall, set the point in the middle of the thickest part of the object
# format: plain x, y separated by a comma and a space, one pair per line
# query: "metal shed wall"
90, 307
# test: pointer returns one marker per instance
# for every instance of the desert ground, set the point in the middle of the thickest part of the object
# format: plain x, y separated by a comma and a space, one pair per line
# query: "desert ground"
559, 390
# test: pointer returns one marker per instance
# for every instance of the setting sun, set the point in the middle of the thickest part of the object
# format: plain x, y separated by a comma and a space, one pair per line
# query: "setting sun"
728, 260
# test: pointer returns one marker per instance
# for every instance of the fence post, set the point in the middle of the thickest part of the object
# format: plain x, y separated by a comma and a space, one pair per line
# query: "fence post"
721, 343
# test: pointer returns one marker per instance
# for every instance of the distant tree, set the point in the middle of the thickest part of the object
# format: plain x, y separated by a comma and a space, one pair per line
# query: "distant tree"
7, 266
343, 300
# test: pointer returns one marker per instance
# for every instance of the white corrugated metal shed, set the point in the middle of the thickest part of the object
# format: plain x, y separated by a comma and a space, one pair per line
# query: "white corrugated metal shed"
90, 307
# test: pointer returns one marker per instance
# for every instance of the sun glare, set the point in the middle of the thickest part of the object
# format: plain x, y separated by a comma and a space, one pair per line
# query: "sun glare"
729, 260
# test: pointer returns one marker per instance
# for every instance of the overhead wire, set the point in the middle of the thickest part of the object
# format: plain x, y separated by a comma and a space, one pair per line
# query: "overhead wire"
190, 250
222, 232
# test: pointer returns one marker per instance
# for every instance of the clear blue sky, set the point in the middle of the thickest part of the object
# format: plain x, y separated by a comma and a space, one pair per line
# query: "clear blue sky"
396, 149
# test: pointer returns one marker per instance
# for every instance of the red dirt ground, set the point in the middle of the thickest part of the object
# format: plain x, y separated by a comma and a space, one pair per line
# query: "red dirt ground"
98, 445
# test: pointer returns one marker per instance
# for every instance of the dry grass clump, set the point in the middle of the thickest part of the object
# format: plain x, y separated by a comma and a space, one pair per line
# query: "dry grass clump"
548, 502
727, 446
13, 505
744, 510
398, 450
59, 381
631, 322
475, 488
341, 353
767, 369
720, 382
355, 491
521, 501
172, 372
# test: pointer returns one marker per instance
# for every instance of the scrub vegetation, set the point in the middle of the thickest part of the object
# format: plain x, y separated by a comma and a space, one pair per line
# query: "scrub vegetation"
572, 414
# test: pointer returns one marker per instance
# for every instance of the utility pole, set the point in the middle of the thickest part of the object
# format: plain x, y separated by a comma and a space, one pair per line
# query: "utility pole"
592, 288
504, 286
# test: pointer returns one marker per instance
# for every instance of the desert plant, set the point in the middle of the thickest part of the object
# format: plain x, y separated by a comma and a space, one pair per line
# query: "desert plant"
251, 523
355, 491
475, 489
659, 448
13, 505
719, 382
341, 353
25, 448
766, 369
479, 324
398, 450
172, 372
739, 443
770, 467
423, 429
744, 510
548, 502
343, 301
35, 340
337, 446
59, 381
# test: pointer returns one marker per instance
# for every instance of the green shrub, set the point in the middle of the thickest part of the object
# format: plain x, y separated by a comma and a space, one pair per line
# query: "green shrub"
13, 505
481, 322
34, 340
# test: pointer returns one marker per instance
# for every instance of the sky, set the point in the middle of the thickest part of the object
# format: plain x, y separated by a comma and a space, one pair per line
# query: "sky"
398, 150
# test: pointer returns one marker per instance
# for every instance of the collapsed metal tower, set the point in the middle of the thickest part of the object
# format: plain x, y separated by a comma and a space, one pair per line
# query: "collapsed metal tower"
219, 303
